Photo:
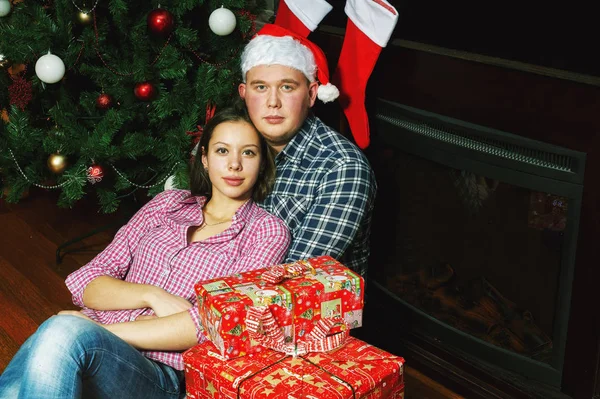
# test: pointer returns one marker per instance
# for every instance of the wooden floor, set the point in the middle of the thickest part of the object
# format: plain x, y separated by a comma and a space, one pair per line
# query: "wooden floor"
32, 283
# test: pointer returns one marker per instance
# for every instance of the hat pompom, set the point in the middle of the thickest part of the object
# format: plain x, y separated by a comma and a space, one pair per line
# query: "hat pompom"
327, 93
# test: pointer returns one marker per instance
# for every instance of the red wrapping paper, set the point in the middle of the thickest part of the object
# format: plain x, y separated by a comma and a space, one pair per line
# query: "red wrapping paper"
355, 370
330, 290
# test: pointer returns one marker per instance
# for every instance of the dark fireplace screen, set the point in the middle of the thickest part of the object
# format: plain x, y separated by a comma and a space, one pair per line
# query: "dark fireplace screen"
481, 255
478, 236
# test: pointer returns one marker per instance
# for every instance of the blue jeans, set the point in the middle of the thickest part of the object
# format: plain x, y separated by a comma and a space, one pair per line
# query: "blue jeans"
70, 357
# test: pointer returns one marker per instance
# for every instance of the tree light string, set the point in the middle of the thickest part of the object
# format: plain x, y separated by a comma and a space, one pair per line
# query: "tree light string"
161, 181
88, 11
215, 64
29, 181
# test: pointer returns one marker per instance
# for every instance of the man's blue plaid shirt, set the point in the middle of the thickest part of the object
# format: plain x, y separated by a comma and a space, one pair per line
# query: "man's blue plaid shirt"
325, 192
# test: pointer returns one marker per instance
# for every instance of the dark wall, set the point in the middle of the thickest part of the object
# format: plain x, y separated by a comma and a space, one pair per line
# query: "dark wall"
562, 36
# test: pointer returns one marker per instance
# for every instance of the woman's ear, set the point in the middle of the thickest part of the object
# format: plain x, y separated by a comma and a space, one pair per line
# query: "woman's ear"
204, 158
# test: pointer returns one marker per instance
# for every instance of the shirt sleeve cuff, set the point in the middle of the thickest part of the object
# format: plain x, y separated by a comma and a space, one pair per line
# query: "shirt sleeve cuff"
77, 281
194, 314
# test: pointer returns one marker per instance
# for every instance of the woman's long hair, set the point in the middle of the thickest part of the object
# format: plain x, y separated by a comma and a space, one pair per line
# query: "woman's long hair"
200, 183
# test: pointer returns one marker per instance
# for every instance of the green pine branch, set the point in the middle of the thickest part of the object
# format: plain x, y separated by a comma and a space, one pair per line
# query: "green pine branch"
138, 144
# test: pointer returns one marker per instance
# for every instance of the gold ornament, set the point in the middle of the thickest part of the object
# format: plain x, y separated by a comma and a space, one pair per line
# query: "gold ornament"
57, 163
4, 115
84, 18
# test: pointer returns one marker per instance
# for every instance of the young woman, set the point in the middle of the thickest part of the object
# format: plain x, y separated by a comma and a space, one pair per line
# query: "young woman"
137, 297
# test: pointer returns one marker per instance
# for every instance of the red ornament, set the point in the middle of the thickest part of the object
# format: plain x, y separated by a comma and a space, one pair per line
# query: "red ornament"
144, 91
160, 21
20, 92
104, 101
210, 112
95, 174
252, 18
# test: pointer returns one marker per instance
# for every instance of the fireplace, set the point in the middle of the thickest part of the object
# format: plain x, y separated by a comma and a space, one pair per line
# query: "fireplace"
474, 241
549, 106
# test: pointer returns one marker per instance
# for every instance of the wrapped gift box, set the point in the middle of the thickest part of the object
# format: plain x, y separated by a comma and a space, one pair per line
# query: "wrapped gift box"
324, 289
355, 370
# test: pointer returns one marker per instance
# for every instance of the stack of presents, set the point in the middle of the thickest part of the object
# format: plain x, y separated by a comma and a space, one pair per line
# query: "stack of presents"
283, 332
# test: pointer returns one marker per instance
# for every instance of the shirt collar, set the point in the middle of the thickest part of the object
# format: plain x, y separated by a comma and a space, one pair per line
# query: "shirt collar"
295, 149
244, 212
200, 200
242, 215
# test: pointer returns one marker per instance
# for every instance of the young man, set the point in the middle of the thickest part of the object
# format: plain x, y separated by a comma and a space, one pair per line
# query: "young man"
325, 188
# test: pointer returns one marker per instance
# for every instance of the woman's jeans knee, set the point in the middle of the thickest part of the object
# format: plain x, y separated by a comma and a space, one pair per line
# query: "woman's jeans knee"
70, 357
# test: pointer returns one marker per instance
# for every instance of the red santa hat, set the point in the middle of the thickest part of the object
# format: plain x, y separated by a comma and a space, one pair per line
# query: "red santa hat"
285, 43
369, 28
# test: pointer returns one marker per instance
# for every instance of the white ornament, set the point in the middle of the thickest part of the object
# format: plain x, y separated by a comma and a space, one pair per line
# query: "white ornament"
222, 21
4, 8
170, 183
49, 68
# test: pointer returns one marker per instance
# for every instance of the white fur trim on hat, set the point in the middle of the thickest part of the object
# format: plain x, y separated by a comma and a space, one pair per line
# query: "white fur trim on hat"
273, 50
327, 93
276, 45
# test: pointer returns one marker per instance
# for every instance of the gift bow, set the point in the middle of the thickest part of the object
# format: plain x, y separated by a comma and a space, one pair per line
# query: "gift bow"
277, 273
272, 337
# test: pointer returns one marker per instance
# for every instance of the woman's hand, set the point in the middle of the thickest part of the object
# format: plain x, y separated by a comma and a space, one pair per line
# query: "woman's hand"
165, 304
146, 317
76, 313
170, 333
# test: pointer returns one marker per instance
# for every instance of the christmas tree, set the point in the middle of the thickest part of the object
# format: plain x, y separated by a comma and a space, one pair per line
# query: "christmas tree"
107, 97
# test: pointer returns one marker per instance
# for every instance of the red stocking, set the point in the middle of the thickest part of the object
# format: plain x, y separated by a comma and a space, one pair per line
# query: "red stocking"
301, 16
370, 26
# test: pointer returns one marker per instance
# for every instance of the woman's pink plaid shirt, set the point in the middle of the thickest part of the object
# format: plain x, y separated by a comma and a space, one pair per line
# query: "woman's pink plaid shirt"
152, 248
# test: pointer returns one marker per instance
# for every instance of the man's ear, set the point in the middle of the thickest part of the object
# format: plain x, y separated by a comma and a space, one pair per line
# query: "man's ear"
312, 92
242, 90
